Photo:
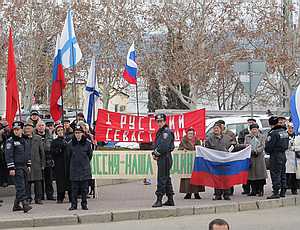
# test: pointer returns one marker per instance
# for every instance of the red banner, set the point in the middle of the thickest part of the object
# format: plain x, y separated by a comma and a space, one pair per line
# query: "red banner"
118, 127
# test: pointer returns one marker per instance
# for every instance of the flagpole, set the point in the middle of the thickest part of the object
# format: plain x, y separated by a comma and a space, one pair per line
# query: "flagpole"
20, 115
94, 105
137, 99
62, 101
74, 80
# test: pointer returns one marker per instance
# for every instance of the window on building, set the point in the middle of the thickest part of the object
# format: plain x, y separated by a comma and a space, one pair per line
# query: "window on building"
116, 108
122, 108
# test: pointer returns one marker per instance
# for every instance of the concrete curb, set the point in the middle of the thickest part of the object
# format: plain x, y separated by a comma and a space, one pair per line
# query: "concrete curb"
143, 214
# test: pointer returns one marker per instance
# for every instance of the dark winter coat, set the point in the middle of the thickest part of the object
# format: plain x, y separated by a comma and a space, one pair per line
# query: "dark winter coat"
16, 153
46, 140
36, 147
187, 144
80, 154
60, 156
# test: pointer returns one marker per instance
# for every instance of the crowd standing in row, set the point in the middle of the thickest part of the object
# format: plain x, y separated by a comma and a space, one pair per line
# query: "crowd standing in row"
280, 144
34, 153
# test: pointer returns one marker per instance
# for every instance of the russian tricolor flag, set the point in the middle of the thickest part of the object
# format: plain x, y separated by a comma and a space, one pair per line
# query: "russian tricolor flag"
295, 110
130, 71
58, 84
219, 169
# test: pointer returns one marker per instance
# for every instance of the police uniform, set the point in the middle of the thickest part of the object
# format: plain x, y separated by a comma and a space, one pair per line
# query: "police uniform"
18, 159
164, 145
276, 144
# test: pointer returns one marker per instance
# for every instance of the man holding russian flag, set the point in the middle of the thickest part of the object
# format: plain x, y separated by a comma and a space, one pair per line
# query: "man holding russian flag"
218, 167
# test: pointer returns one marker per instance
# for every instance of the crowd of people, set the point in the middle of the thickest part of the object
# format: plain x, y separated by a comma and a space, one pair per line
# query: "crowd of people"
281, 144
34, 153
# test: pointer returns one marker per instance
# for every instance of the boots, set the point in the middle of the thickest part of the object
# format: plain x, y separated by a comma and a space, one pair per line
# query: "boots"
260, 190
275, 195
197, 196
282, 192
294, 192
170, 201
17, 206
188, 196
26, 206
158, 202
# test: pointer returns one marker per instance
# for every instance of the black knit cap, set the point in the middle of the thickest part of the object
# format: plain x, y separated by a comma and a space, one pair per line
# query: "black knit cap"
254, 126
222, 122
273, 120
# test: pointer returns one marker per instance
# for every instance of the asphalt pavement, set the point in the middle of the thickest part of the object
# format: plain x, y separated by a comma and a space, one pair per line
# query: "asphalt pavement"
128, 196
272, 219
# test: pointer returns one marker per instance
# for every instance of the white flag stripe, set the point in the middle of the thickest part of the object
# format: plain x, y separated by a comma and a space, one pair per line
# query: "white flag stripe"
91, 88
222, 157
68, 43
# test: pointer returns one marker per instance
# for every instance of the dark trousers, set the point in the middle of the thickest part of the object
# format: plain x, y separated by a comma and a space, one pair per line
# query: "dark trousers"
48, 183
292, 182
80, 188
222, 192
277, 171
21, 183
246, 187
3, 173
164, 183
38, 192
257, 186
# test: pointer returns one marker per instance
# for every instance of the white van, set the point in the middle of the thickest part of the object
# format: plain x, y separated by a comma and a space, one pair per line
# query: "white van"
237, 123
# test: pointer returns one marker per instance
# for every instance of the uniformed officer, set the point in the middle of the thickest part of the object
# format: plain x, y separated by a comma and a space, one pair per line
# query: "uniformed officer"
18, 163
276, 144
164, 145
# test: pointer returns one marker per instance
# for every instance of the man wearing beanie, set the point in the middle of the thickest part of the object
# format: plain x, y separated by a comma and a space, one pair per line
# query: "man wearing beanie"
80, 154
276, 144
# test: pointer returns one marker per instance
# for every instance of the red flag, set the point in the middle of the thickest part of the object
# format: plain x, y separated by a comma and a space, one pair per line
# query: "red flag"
12, 92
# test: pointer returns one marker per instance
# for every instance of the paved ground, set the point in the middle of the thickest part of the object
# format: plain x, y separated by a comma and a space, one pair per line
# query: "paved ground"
129, 196
276, 219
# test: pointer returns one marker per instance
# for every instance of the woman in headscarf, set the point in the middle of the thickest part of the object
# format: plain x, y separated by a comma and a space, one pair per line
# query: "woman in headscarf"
258, 171
188, 143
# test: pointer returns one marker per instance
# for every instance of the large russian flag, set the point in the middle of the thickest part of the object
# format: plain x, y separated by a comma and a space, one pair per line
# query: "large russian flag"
295, 110
219, 169
130, 71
